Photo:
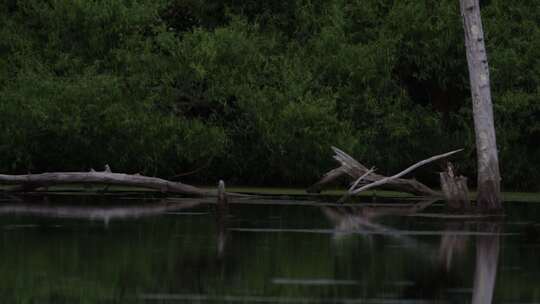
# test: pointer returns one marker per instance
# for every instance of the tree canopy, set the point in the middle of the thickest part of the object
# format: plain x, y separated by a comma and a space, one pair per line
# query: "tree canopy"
257, 91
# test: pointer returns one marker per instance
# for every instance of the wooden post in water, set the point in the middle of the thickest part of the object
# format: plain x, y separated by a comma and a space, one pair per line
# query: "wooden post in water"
222, 195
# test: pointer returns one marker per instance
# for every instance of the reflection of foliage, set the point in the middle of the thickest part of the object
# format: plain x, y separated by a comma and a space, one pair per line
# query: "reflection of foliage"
262, 88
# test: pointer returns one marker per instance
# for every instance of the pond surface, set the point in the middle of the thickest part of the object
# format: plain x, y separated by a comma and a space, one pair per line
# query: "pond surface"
112, 249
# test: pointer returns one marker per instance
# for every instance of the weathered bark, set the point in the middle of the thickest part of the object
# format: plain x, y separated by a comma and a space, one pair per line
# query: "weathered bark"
354, 169
455, 190
489, 198
29, 182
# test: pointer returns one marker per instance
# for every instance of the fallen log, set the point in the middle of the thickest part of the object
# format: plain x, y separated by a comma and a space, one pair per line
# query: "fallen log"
351, 167
29, 182
389, 179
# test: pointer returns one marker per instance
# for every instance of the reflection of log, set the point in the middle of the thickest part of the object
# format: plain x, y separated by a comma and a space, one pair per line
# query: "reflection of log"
95, 213
361, 220
455, 189
354, 169
29, 182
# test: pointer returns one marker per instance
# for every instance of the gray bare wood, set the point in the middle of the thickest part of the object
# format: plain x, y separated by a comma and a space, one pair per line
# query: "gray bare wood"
455, 190
33, 181
389, 179
489, 197
351, 167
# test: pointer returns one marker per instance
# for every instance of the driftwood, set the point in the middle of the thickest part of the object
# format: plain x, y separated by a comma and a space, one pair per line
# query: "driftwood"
354, 169
389, 179
28, 182
360, 173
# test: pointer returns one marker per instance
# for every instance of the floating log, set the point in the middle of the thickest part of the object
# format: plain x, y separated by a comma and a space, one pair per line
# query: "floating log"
29, 182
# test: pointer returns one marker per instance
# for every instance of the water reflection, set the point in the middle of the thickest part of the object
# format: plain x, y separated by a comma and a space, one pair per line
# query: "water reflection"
105, 214
222, 214
487, 257
253, 251
452, 247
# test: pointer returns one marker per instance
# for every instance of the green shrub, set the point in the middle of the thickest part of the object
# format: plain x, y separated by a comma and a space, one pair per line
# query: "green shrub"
258, 91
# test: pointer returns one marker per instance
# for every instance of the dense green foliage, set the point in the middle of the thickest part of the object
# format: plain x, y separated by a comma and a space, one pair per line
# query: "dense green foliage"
257, 91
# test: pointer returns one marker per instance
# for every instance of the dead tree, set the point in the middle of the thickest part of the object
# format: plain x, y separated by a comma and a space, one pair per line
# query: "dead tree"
489, 198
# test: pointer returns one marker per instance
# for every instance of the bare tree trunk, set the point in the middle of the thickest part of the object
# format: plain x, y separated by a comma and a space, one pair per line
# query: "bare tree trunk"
489, 198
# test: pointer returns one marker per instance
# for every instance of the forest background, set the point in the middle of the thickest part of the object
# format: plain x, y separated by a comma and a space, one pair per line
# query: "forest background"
256, 92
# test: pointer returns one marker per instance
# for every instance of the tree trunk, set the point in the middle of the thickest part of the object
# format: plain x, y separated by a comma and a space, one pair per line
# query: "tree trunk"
489, 198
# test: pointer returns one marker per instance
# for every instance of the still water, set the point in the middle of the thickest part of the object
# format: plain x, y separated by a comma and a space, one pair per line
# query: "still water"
134, 249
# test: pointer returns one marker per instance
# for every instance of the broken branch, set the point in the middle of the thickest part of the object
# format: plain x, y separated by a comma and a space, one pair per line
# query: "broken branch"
400, 174
354, 169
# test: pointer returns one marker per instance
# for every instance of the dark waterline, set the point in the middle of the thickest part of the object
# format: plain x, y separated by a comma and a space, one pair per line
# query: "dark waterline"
99, 249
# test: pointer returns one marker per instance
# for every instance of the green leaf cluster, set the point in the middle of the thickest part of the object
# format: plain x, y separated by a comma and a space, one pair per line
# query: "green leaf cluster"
257, 91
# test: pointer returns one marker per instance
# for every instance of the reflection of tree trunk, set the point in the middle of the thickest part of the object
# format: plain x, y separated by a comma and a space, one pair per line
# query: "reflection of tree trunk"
487, 255
222, 211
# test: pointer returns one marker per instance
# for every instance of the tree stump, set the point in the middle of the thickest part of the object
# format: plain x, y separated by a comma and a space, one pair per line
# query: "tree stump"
455, 190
